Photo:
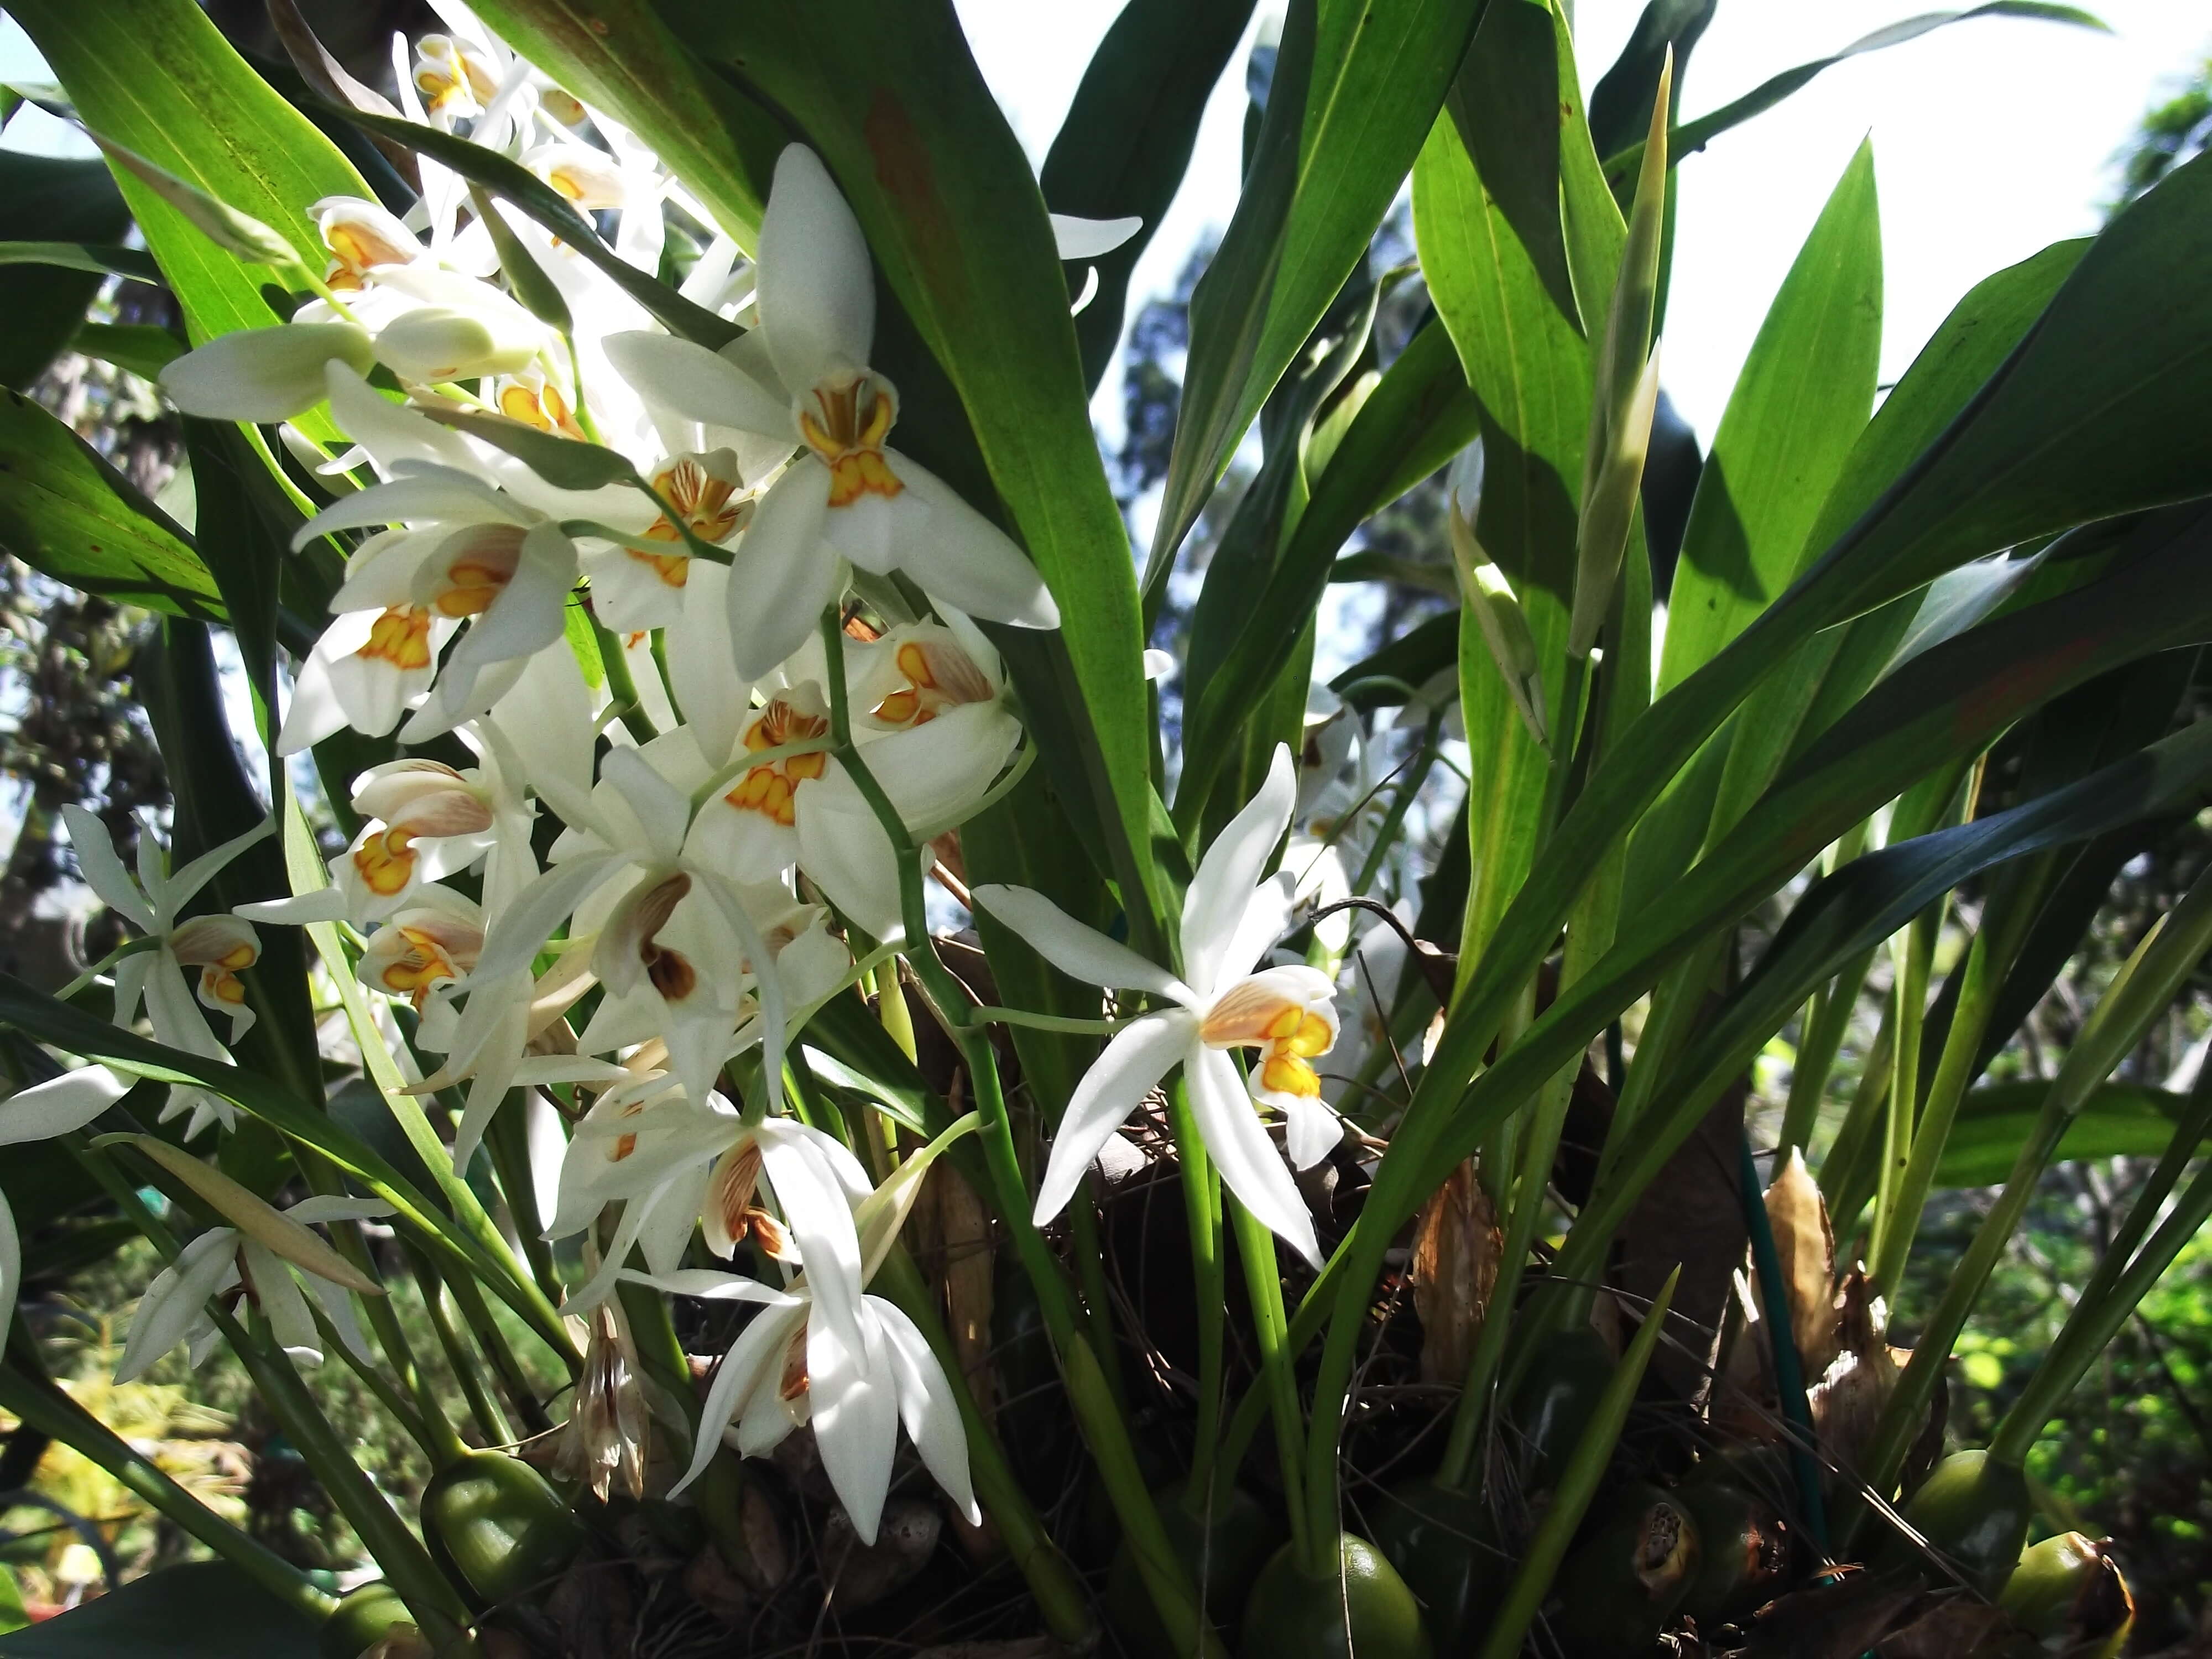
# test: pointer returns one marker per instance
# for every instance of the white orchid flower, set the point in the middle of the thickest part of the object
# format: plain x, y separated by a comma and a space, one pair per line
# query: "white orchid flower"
471, 551
58, 1106
1231, 917
674, 1167
855, 1368
848, 494
213, 950
623, 863
173, 1310
634, 589
425, 947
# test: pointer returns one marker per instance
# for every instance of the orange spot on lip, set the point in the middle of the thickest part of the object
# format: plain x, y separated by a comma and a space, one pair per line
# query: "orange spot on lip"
401, 636
386, 860
772, 789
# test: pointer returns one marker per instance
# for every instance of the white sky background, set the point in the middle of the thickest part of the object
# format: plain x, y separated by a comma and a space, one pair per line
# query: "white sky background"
1992, 139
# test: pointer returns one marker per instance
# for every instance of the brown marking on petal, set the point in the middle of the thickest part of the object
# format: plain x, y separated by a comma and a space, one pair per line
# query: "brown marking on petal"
794, 1365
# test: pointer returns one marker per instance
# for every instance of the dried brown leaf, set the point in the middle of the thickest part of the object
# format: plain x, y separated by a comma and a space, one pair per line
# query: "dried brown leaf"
1456, 1245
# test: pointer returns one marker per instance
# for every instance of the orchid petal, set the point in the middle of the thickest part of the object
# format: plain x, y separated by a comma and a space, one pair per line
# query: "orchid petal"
518, 936
1111, 1090
264, 374
1241, 1151
816, 291
103, 871
855, 1416
697, 384
929, 1407
962, 558
1075, 237
173, 1301
59, 1105
1221, 891
1080, 951
757, 1352
784, 572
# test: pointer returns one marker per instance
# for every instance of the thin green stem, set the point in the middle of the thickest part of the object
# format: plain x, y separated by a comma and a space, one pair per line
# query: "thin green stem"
1914, 949
1263, 1283
622, 685
130, 947
509, 1139
491, 1422
1202, 1219
468, 1297
992, 1014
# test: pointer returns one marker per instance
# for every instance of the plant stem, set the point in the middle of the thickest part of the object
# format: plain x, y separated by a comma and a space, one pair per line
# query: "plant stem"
1577, 1484
491, 1422
507, 1137
1315, 1554
468, 1297
891, 1007
1105, 1429
1827, 1022
1202, 1217
2006, 918
1913, 950
1059, 1594
2137, 997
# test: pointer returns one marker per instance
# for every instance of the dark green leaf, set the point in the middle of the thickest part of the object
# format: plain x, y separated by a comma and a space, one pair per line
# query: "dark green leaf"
1408, 663
891, 97
1620, 103
1505, 108
65, 512
564, 463
619, 56
1128, 135
144, 348
1416, 419
91, 259
65, 202
198, 1610
1355, 89
537, 292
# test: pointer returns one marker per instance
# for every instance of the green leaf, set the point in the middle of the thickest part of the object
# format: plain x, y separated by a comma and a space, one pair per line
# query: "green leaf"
1417, 418
1798, 408
1942, 706
1127, 138
157, 77
1357, 85
75, 1032
537, 291
619, 56
1529, 362
1235, 619
1695, 135
215, 796
144, 348
888, 95
68, 515
2120, 1120
90, 257
2094, 414
564, 463
197, 1610
512, 182
1620, 103
71, 202
1405, 664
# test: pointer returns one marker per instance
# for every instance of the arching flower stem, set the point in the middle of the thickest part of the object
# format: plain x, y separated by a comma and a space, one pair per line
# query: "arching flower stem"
1105, 1429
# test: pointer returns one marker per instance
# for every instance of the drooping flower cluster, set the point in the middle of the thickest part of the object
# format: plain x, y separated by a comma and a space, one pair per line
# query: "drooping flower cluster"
686, 718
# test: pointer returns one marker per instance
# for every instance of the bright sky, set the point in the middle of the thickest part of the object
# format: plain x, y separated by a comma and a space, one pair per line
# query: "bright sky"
1991, 139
